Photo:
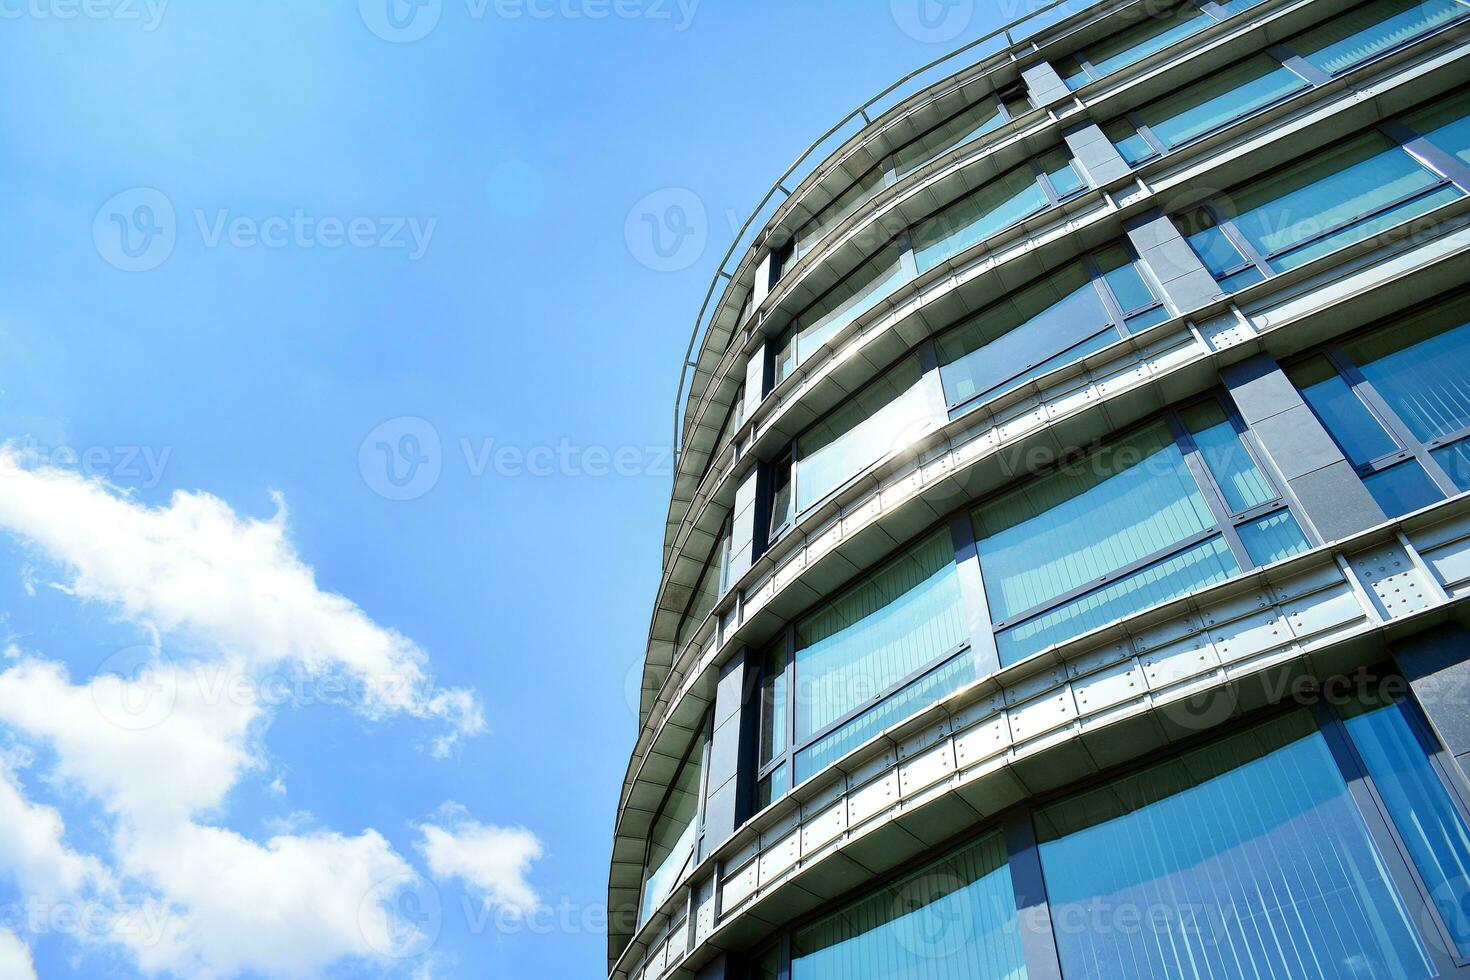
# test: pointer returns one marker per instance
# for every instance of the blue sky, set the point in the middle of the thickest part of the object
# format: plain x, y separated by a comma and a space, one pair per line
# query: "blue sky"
254, 253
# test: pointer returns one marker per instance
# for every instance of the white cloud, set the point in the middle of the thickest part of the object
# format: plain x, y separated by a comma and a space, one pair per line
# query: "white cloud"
160, 741
15, 958
491, 861
33, 854
199, 571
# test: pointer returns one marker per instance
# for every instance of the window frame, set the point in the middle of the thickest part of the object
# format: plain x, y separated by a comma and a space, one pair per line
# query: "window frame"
703, 739
1227, 521
1018, 827
1450, 173
1118, 316
1410, 447
1090, 71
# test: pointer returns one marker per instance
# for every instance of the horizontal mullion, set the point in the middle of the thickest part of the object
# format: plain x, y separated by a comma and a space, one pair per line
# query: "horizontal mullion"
1198, 537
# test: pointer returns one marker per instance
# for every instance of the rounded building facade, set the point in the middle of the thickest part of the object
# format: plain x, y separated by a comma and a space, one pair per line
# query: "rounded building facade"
1067, 570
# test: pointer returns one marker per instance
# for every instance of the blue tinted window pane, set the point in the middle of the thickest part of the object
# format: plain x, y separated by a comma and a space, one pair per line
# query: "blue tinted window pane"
924, 691
1130, 500
1216, 251
772, 788
953, 920
847, 301
1239, 6
883, 418
1329, 189
996, 206
1131, 146
1353, 37
1364, 230
1246, 858
1142, 40
1356, 430
897, 621
1124, 279
1402, 489
837, 211
1039, 328
1145, 320
975, 121
671, 842
1456, 462
1273, 538
1446, 124
1224, 96
1204, 564
1422, 810
1063, 175
1241, 280
1422, 370
1234, 470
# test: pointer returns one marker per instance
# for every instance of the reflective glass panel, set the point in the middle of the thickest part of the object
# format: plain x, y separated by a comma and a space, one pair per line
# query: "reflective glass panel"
1446, 124
953, 920
1234, 469
1419, 805
1350, 38
1455, 459
1355, 429
895, 622
848, 300
1402, 489
1421, 367
1225, 96
1246, 858
1143, 39
998, 205
1273, 538
671, 844
837, 211
975, 121
883, 418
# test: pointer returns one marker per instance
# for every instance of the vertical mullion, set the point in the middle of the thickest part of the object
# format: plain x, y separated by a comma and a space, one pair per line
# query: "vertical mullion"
1042, 180
1214, 497
1447, 165
1105, 292
791, 693
1242, 244
983, 648
1403, 875
1146, 131
1379, 406
1033, 912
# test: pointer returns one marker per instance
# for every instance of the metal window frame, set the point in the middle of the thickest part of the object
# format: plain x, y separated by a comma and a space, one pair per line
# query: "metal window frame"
1091, 71
703, 739
1162, 148
1431, 158
1033, 907
1227, 521
1302, 66
1410, 447
1111, 304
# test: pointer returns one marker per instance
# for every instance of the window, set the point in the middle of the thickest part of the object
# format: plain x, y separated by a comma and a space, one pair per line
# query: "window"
1171, 508
857, 293
1348, 39
864, 660
952, 920
1342, 195
1132, 44
671, 843
1203, 107
783, 505
707, 591
836, 211
884, 417
1061, 318
1006, 200
1396, 401
1245, 858
1385, 734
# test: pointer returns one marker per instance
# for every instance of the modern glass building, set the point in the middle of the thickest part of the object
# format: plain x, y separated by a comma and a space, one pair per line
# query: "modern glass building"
1068, 566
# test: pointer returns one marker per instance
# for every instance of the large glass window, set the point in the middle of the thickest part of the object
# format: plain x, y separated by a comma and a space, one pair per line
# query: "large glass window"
1160, 513
953, 920
882, 418
1133, 44
857, 293
865, 659
1203, 107
1246, 858
1397, 402
1018, 194
1066, 315
671, 843
1428, 821
1350, 38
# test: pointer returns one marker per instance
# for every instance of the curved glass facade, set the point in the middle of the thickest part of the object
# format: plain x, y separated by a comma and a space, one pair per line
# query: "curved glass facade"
1004, 629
